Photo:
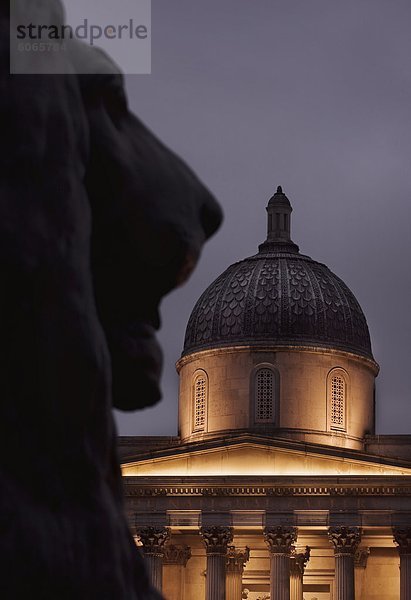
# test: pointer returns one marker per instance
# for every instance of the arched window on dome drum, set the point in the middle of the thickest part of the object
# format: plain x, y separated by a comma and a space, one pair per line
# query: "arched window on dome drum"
264, 395
200, 397
338, 400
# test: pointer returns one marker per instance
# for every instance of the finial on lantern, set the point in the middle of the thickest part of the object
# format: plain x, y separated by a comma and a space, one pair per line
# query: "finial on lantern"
279, 212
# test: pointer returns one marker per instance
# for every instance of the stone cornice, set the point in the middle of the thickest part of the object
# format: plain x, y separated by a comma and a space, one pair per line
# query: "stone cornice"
263, 347
268, 486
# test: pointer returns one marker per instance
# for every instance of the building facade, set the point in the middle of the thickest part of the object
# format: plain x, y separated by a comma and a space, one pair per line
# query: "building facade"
276, 486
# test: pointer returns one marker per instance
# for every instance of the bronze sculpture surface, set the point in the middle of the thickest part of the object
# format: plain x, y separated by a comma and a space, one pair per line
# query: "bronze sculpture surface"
99, 220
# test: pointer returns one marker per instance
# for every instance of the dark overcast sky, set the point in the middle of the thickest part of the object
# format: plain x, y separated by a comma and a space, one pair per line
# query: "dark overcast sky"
313, 95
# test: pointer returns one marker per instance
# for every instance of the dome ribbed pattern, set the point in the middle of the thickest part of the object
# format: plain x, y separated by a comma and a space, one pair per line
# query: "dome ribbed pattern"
278, 298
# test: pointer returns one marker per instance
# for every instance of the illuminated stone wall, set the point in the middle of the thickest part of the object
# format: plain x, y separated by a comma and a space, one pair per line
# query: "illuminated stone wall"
301, 390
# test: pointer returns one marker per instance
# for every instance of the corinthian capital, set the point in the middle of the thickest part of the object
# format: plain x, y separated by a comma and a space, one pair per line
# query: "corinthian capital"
216, 538
360, 557
153, 539
280, 539
344, 539
402, 537
236, 558
176, 555
299, 560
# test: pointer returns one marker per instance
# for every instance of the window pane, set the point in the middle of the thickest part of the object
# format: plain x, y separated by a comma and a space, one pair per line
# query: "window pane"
264, 400
338, 402
200, 398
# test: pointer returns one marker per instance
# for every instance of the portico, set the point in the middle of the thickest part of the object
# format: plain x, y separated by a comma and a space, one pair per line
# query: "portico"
256, 531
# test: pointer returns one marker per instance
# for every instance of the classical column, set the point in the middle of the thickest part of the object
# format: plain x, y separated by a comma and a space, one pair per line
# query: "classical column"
280, 541
174, 563
345, 541
298, 562
153, 540
236, 560
216, 540
402, 537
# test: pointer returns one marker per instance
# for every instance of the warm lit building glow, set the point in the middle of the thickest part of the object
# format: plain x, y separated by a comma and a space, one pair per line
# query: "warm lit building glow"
276, 446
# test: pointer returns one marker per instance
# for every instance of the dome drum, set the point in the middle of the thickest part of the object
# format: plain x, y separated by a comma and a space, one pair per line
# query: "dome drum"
300, 394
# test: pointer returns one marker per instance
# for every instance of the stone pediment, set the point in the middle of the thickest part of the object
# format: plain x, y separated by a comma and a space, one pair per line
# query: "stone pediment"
253, 456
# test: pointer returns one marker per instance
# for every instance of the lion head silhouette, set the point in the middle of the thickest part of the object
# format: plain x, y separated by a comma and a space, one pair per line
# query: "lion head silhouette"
98, 221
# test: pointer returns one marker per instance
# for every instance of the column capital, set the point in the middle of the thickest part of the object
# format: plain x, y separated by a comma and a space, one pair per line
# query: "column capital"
216, 539
402, 537
344, 539
299, 560
153, 540
176, 555
360, 557
236, 558
280, 539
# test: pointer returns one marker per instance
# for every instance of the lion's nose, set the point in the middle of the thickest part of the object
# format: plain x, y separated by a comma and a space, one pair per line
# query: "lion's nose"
211, 216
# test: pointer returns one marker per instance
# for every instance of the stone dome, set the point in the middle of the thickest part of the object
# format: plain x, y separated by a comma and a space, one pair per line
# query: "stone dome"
278, 297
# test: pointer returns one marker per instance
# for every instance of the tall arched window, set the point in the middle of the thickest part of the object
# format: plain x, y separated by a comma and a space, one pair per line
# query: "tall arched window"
337, 392
200, 397
264, 395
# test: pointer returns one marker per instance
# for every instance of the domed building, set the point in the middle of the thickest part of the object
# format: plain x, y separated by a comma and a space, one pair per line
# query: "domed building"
276, 485
278, 344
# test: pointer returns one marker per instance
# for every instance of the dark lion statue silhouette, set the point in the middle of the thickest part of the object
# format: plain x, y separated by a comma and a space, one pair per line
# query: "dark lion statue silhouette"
99, 220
